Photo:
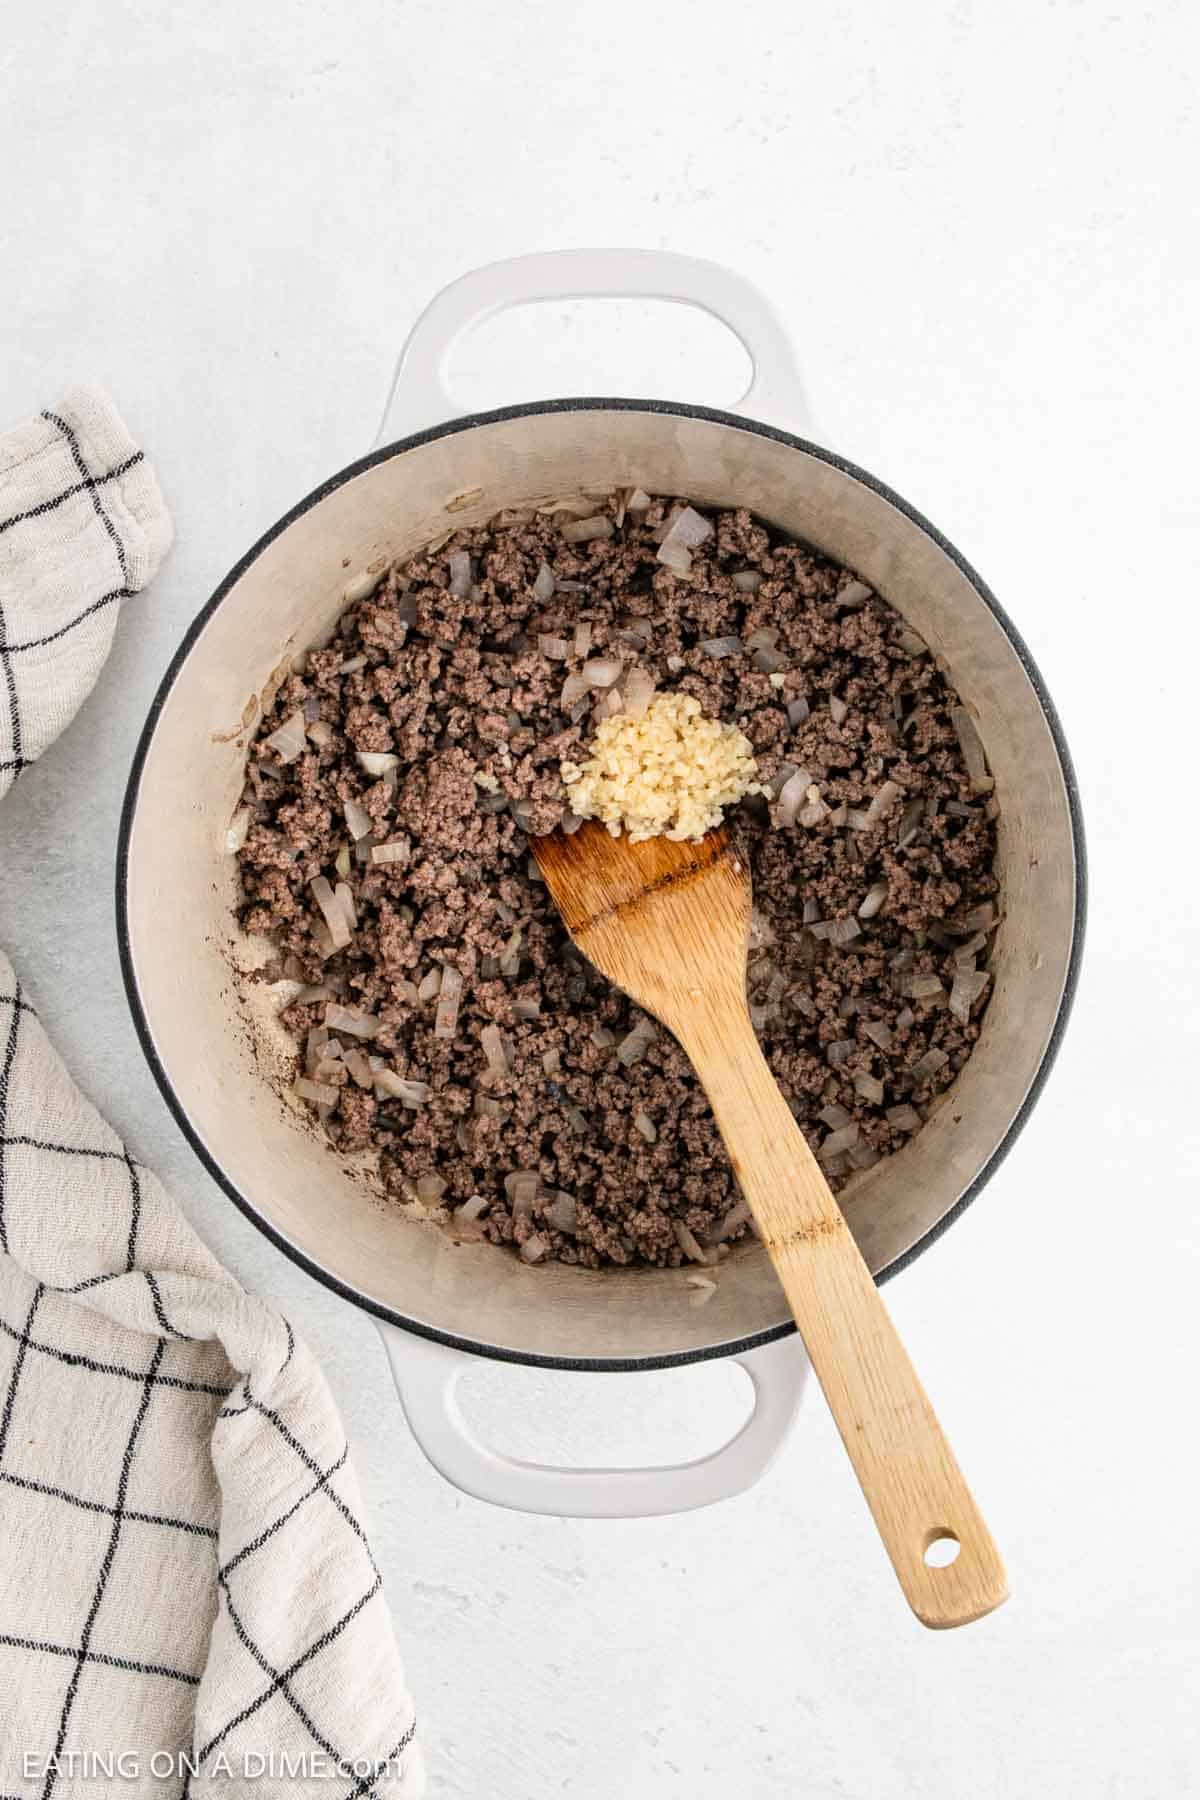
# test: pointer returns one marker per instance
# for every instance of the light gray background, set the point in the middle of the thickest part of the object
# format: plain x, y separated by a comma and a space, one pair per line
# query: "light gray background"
979, 223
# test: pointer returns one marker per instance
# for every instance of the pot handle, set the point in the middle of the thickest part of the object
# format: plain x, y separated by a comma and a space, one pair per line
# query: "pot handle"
427, 1376
419, 395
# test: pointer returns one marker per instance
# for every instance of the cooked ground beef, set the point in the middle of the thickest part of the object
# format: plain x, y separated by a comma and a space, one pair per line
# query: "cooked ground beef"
455, 686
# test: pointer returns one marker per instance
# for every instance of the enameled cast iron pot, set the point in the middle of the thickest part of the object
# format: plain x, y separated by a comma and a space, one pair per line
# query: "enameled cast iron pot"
209, 1035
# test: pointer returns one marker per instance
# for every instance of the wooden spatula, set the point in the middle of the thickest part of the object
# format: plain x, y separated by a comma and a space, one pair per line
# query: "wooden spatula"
669, 923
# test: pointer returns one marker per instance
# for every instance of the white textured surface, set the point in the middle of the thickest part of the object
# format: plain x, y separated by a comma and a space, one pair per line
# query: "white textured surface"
980, 224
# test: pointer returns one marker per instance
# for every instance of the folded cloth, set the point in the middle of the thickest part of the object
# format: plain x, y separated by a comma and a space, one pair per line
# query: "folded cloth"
185, 1582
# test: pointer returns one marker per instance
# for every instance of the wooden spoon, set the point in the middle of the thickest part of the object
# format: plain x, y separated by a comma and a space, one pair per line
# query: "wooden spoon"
669, 923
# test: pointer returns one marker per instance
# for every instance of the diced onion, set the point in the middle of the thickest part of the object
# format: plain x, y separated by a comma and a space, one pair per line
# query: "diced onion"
634, 1045
351, 666
854, 594
239, 827
842, 931
747, 581
686, 1239
358, 819
910, 643
879, 1032
397, 851
965, 989
460, 574
471, 1209
583, 638
791, 796
924, 987
869, 1088
333, 912
584, 531
903, 1118
495, 1050
430, 985
765, 638
377, 762
929, 1064
737, 1216
343, 895
721, 646
910, 822
357, 1024
289, 740
646, 1126
883, 800
430, 1189
359, 1067
966, 953
638, 691
638, 501
602, 671
840, 1140
522, 1187
316, 1092
543, 586
837, 708
445, 1021
874, 899
675, 556
688, 528
398, 1087
607, 705
559, 1213
534, 1248
556, 648
971, 745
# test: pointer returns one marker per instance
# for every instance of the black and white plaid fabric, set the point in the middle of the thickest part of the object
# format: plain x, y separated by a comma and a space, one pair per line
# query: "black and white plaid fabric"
188, 1602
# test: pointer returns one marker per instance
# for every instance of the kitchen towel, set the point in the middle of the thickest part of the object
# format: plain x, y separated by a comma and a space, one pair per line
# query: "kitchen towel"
188, 1600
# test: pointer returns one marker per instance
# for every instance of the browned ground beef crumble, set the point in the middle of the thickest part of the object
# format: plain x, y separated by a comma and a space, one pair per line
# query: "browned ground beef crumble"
457, 687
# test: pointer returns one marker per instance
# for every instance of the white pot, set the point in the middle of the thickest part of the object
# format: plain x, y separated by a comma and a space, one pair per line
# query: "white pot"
210, 1036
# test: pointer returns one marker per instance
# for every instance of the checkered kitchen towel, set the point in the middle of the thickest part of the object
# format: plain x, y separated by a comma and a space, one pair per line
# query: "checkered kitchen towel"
184, 1578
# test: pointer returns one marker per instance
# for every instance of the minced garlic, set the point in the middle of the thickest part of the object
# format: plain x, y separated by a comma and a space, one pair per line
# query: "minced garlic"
669, 773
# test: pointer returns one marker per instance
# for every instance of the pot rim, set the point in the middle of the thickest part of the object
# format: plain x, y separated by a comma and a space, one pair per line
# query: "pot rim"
450, 427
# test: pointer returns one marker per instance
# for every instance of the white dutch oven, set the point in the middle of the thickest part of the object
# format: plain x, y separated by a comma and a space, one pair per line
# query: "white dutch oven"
209, 1036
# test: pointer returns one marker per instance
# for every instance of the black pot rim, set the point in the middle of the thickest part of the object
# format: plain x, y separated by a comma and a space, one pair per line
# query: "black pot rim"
467, 423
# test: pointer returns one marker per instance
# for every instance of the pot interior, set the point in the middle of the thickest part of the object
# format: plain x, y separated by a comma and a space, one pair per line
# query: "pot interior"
213, 1032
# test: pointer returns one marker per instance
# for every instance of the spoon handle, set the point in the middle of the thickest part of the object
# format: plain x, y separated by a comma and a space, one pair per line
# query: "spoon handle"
913, 1485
